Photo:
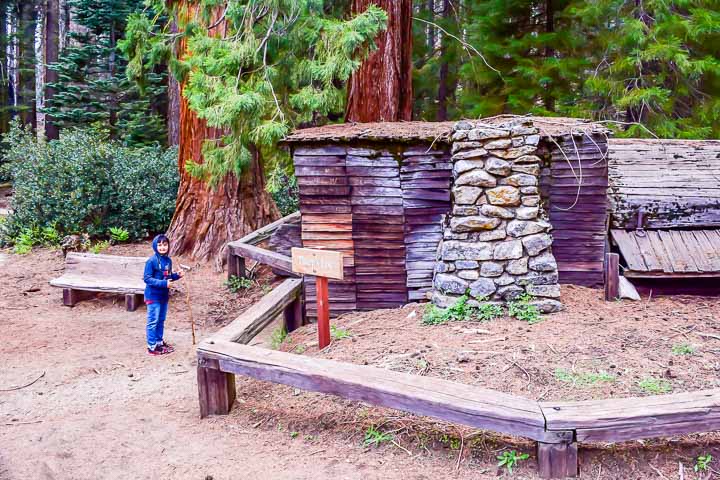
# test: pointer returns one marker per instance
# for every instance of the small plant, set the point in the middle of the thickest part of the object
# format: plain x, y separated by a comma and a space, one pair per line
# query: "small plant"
30, 237
583, 378
294, 434
235, 283
511, 459
300, 349
460, 311
266, 288
338, 333
683, 349
376, 438
522, 309
278, 337
488, 311
654, 385
702, 463
100, 246
119, 234
452, 442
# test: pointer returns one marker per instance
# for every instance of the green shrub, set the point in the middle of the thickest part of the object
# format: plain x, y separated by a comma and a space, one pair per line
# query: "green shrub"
85, 183
119, 234
461, 311
35, 236
522, 309
235, 283
284, 189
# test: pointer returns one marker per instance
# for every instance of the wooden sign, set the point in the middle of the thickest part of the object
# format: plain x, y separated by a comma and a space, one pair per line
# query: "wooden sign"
321, 263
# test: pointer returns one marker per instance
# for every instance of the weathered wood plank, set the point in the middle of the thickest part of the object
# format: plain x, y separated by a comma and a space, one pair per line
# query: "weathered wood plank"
216, 389
261, 255
557, 460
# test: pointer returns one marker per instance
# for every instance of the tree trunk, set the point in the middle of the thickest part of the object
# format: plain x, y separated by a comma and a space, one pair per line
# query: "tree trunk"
206, 219
442, 113
173, 110
26, 63
52, 45
548, 99
381, 89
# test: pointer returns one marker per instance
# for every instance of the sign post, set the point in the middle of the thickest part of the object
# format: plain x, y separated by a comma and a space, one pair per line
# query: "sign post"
323, 264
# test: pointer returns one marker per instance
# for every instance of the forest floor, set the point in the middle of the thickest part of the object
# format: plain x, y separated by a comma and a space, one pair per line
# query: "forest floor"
102, 408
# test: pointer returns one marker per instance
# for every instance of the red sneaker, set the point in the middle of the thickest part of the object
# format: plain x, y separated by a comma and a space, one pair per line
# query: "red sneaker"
168, 348
159, 350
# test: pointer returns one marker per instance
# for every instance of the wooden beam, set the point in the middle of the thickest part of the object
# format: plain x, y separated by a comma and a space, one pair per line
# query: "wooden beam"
133, 301
612, 276
251, 322
216, 389
236, 265
261, 234
451, 401
261, 255
557, 460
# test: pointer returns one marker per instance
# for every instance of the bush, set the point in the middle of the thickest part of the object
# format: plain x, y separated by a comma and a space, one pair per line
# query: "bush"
84, 182
284, 189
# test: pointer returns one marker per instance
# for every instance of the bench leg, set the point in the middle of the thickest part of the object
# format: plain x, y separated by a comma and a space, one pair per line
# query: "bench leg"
70, 297
612, 276
133, 301
216, 389
557, 460
293, 315
236, 265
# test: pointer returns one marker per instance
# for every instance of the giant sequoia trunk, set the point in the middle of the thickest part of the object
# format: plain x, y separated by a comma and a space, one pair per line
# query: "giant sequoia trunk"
381, 89
206, 219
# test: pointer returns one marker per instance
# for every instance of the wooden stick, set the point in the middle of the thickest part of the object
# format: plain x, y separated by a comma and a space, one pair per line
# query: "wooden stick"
187, 300
323, 312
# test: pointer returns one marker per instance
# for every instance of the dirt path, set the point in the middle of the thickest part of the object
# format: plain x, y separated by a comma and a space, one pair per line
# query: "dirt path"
104, 409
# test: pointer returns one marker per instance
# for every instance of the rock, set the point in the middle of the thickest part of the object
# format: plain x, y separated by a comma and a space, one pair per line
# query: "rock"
466, 264
531, 200
504, 196
491, 269
459, 135
497, 234
527, 213
477, 178
498, 166
509, 250
456, 250
530, 168
529, 190
482, 288
515, 152
468, 274
473, 223
535, 244
498, 212
526, 128
545, 262
458, 146
485, 133
466, 195
532, 139
510, 292
462, 125
538, 278
518, 141
552, 291
547, 306
521, 180
475, 153
444, 267
464, 209
522, 228
497, 144
504, 280
528, 159
450, 284
517, 267
462, 166
449, 235
442, 301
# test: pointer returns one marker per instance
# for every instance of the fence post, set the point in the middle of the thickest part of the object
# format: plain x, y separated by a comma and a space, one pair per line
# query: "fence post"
557, 460
216, 389
612, 276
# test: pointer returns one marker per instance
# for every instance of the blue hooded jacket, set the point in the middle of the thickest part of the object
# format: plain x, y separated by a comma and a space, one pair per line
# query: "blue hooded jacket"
158, 272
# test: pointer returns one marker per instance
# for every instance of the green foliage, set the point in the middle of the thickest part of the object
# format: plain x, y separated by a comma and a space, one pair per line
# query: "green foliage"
654, 385
511, 459
522, 309
281, 63
35, 236
92, 86
119, 234
338, 333
235, 283
374, 437
702, 463
583, 378
99, 247
461, 311
285, 191
488, 311
683, 349
85, 182
278, 337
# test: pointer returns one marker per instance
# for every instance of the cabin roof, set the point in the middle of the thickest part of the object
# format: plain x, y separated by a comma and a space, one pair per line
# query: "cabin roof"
405, 132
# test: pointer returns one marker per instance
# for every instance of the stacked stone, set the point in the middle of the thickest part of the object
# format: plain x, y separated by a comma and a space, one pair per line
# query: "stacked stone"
496, 244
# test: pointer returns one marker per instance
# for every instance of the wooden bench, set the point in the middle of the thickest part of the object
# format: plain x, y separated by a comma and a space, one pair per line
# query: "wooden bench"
87, 272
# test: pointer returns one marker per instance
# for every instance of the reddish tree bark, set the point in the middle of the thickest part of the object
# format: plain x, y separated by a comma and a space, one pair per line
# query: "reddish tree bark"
206, 219
381, 89
52, 46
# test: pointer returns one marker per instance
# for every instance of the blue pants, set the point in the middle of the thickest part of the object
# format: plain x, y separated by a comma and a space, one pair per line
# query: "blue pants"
156, 313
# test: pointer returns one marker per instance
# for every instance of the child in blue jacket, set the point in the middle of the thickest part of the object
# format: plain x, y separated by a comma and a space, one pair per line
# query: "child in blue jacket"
158, 276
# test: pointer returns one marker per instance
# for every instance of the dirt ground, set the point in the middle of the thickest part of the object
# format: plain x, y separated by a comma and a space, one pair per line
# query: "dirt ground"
102, 408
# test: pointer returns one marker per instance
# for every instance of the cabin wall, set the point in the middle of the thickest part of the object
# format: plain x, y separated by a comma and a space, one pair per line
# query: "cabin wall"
676, 183
574, 187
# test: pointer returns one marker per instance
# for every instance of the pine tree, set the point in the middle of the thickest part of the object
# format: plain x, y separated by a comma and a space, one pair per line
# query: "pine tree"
92, 85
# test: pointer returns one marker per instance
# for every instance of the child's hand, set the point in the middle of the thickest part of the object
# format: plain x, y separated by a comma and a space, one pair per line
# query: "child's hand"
180, 273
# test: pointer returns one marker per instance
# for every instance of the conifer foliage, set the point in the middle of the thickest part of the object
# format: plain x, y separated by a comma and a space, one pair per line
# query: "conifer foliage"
92, 85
